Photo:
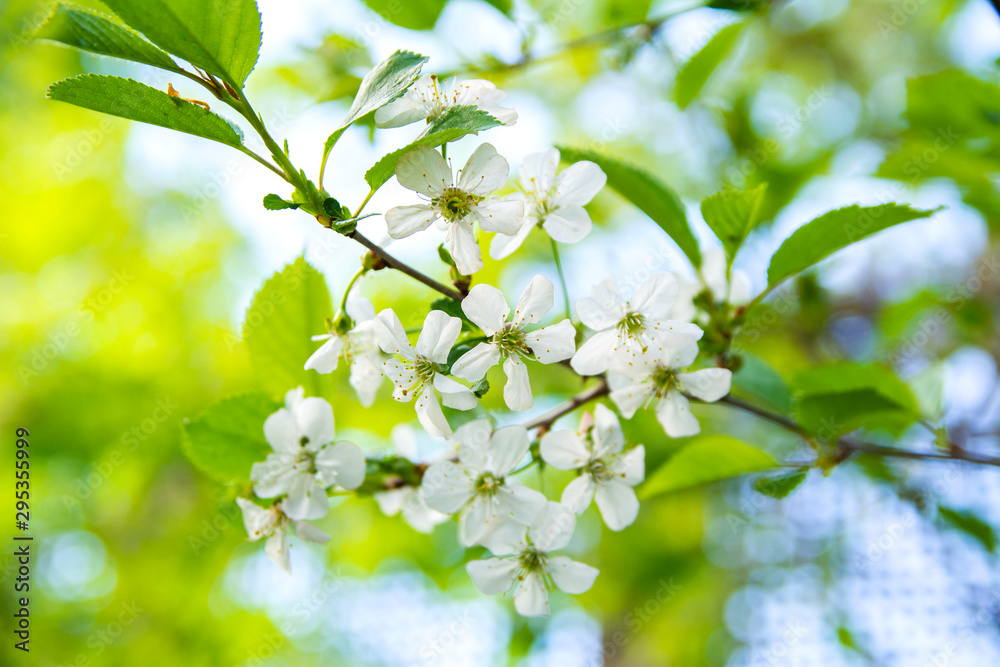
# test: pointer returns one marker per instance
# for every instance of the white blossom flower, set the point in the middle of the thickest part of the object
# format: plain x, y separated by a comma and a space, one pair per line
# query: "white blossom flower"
486, 306
659, 378
429, 97
733, 288
477, 486
418, 372
455, 205
272, 523
304, 463
408, 499
529, 564
555, 201
627, 330
605, 470
358, 346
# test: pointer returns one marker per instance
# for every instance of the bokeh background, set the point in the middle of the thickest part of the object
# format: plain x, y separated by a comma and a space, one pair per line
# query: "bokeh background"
129, 254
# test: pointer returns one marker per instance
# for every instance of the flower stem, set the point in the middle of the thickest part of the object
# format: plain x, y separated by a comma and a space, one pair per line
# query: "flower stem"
562, 277
347, 290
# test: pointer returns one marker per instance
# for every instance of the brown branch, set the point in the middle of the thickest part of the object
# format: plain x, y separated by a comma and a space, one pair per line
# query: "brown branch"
405, 268
546, 420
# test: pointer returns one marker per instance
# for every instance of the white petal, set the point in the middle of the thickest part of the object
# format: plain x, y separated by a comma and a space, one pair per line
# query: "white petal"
607, 434
709, 384
342, 463
556, 342
453, 394
446, 487
604, 308
257, 520
325, 359
492, 576
531, 598
565, 450
578, 494
553, 527
294, 396
675, 336
568, 224
366, 376
429, 413
535, 301
508, 446
282, 431
510, 537
517, 503
504, 216
423, 170
315, 418
461, 241
594, 356
631, 396
571, 577
713, 272
674, 414
682, 357
517, 391
473, 440
478, 519
306, 498
359, 308
739, 288
503, 246
438, 335
310, 533
579, 183
421, 517
391, 502
276, 549
485, 172
402, 221
403, 377
538, 171
391, 336
654, 297
486, 307
472, 365
630, 465
618, 504
400, 112
273, 476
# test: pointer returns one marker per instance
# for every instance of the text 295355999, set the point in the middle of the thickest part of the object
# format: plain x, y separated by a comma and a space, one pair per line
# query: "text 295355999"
22, 543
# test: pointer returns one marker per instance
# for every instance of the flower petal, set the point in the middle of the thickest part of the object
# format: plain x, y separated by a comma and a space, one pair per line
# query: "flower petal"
402, 221
556, 342
421, 517
674, 414
504, 216
366, 377
553, 527
342, 463
446, 486
438, 335
578, 494
630, 396
485, 172
400, 112
509, 537
618, 504
607, 434
429, 413
461, 240
423, 170
594, 356
273, 476
478, 519
502, 245
579, 183
538, 171
315, 418
517, 391
492, 576
655, 295
276, 549
531, 598
473, 440
282, 431
713, 272
391, 336
472, 365
570, 576
360, 309
565, 450
454, 394
486, 307
310, 533
535, 301
325, 359
257, 520
631, 465
403, 377
709, 384
568, 224
306, 498
508, 446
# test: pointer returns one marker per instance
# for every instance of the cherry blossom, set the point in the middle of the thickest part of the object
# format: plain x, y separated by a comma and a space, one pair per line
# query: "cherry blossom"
431, 96
407, 499
272, 523
359, 348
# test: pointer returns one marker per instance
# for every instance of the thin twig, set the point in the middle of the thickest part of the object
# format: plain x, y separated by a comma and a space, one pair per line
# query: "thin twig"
405, 268
546, 420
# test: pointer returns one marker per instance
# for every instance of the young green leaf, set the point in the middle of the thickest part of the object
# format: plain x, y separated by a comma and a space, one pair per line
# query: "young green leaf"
88, 30
287, 311
228, 438
386, 82
707, 459
732, 215
696, 71
971, 524
648, 194
779, 486
453, 124
222, 37
137, 101
832, 231
760, 380
412, 14
273, 202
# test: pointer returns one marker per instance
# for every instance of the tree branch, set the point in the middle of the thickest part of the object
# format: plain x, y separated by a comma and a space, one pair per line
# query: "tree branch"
405, 268
546, 420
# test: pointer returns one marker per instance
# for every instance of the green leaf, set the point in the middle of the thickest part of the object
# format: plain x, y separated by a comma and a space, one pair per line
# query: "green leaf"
221, 37
758, 379
695, 73
732, 215
412, 14
779, 486
137, 101
453, 124
228, 438
971, 524
646, 192
386, 82
832, 231
88, 30
708, 459
273, 202
287, 311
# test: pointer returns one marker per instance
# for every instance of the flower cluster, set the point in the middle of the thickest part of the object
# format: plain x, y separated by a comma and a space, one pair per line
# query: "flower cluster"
643, 350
